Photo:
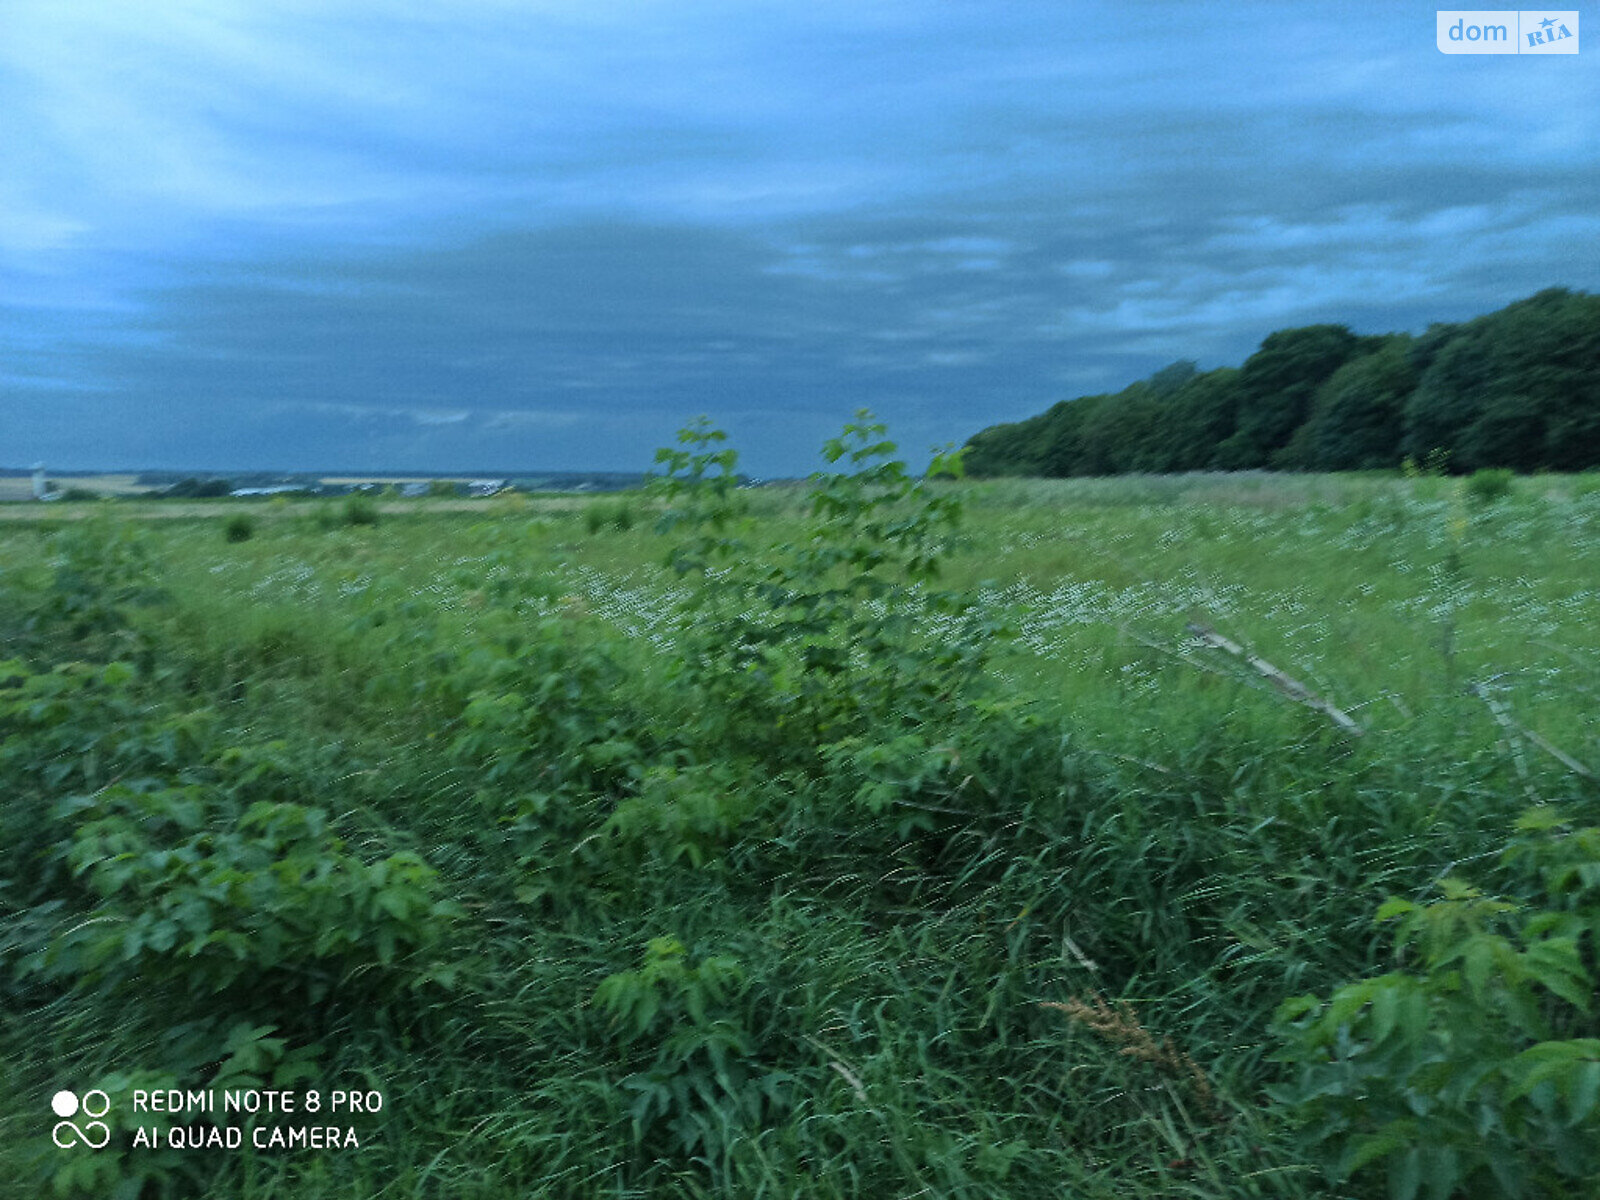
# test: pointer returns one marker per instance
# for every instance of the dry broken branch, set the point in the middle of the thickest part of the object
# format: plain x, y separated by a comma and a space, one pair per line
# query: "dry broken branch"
1290, 687
1511, 725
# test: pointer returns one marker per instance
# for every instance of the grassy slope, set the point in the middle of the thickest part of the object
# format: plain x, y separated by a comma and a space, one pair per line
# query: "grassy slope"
1207, 850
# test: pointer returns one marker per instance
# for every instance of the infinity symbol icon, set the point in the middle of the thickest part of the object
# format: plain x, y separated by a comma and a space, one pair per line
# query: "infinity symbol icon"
74, 1133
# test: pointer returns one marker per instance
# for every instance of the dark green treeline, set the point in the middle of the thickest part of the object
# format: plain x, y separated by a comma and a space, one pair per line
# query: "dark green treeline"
1516, 388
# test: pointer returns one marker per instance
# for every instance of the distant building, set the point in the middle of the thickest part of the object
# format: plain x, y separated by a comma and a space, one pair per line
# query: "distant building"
41, 489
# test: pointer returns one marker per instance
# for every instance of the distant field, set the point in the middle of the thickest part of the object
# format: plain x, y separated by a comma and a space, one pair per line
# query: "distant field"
21, 488
134, 508
385, 480
126, 484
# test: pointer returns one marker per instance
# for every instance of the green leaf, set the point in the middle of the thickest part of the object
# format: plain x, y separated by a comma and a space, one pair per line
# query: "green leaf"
645, 1010
1583, 1092
1557, 965
1385, 1009
1396, 1135
1458, 889
695, 1003
393, 901
1295, 1007
1541, 819
1394, 907
1547, 1061
1478, 962
1441, 1170
1405, 1175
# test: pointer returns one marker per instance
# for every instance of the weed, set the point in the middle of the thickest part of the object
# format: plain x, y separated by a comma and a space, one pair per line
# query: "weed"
1120, 1026
1487, 485
358, 509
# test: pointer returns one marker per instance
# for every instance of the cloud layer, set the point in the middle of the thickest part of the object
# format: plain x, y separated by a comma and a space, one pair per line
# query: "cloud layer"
508, 235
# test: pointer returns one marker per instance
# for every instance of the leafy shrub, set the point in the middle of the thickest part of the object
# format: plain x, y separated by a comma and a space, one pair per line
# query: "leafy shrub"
271, 897
1487, 485
704, 1082
531, 715
1435, 465
686, 813
599, 515
810, 643
183, 860
894, 777
101, 573
358, 509
1476, 1072
240, 527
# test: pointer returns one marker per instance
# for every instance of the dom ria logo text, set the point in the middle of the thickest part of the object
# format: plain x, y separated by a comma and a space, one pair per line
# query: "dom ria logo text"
1508, 31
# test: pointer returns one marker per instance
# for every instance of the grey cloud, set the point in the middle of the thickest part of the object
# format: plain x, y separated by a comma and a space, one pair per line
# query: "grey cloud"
553, 234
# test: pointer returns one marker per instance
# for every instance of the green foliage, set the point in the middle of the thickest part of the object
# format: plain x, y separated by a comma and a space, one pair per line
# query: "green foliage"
696, 487
664, 990
881, 868
1277, 385
1517, 388
206, 1056
176, 875
101, 573
1486, 485
1435, 465
271, 899
1356, 422
358, 508
815, 641
904, 778
540, 713
239, 527
704, 1085
599, 515
681, 813
1477, 1071
157, 885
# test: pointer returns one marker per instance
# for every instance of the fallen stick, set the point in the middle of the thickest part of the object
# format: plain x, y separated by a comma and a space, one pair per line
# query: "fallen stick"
1510, 742
1512, 725
1290, 687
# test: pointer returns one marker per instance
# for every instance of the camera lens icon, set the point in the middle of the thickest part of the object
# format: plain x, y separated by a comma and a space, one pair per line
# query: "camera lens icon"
93, 1133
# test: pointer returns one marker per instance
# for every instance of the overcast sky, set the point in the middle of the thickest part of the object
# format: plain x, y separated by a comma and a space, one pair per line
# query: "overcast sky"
505, 234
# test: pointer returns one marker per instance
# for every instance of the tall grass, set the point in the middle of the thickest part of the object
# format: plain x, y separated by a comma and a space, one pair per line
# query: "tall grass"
1125, 814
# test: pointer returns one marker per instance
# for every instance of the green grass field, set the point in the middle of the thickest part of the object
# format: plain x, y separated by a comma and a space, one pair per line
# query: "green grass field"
807, 876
